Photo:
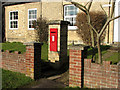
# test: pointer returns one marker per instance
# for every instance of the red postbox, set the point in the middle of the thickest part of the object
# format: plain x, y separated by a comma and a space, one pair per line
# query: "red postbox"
53, 39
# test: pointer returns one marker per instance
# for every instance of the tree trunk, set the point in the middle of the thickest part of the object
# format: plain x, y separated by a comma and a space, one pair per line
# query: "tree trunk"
99, 51
92, 38
93, 44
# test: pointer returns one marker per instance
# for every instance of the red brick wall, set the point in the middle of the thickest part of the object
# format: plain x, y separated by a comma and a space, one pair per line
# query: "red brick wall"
100, 76
27, 63
13, 61
91, 75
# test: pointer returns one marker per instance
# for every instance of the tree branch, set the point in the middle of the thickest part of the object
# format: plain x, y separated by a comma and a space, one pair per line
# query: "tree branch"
107, 22
103, 9
93, 28
87, 13
86, 3
112, 10
109, 8
115, 18
104, 27
79, 6
89, 6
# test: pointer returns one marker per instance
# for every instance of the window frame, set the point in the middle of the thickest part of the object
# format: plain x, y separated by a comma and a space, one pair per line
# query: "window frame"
70, 27
13, 20
31, 19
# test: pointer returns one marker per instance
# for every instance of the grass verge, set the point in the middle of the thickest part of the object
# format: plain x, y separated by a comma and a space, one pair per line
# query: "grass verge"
14, 79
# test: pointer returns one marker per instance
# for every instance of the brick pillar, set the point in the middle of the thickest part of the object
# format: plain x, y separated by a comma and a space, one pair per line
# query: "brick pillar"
76, 66
33, 58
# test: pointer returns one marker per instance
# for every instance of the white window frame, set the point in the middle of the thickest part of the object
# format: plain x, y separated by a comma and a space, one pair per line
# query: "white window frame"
31, 19
12, 20
70, 27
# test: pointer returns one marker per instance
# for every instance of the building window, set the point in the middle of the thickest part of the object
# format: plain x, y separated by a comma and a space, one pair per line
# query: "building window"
13, 18
70, 13
32, 16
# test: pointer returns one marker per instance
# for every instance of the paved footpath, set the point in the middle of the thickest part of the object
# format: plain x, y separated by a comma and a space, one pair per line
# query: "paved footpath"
47, 83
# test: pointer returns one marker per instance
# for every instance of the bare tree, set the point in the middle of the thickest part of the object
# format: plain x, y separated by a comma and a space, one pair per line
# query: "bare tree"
86, 9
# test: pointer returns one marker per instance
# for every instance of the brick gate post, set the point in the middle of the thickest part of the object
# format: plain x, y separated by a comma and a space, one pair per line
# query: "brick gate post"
76, 66
33, 59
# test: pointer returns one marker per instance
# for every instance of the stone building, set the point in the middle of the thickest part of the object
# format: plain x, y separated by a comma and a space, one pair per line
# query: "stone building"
19, 18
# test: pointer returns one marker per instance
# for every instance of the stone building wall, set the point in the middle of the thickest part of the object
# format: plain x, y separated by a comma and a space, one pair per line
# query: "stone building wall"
50, 11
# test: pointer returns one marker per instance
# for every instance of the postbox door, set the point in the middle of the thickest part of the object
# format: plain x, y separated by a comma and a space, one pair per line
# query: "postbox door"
53, 39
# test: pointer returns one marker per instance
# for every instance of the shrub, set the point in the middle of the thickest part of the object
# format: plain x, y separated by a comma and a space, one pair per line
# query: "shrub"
41, 30
97, 20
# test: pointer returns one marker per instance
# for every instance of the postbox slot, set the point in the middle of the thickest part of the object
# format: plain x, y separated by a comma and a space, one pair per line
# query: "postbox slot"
52, 32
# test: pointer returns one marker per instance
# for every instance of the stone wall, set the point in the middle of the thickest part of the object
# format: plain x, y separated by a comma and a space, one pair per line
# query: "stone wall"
82, 72
22, 34
27, 63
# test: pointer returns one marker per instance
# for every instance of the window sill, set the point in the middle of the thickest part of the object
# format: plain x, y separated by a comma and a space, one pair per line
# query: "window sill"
13, 28
72, 28
31, 29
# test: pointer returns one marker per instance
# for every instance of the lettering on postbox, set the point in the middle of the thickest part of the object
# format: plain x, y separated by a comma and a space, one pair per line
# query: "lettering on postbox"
53, 39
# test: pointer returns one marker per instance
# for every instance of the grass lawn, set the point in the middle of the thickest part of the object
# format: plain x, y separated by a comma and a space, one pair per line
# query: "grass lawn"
14, 46
44, 52
106, 55
14, 79
17, 46
114, 57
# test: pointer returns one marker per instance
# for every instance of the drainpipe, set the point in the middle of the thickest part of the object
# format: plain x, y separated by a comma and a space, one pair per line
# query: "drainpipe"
41, 9
108, 23
0, 21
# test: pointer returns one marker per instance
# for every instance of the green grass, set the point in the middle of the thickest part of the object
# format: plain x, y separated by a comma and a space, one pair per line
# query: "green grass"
14, 79
104, 49
44, 52
114, 57
14, 46
17, 46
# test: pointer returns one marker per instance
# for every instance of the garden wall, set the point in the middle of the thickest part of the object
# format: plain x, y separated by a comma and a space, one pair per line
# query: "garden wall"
14, 61
27, 63
82, 72
101, 76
